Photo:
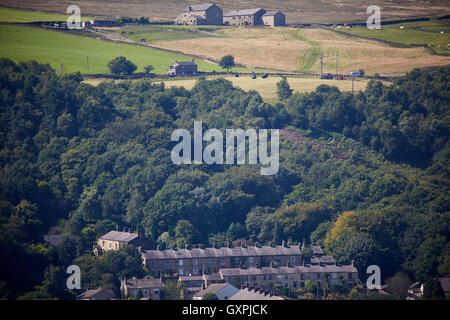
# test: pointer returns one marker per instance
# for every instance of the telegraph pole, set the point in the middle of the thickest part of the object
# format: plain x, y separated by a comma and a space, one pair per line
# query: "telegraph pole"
353, 84
337, 56
321, 65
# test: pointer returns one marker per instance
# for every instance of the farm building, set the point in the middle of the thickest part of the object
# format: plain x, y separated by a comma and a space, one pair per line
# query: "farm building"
247, 17
205, 14
182, 68
274, 19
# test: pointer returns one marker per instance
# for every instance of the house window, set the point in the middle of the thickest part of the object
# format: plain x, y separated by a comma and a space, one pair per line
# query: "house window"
110, 245
145, 292
222, 261
318, 276
166, 263
334, 275
208, 261
116, 246
292, 258
194, 262
181, 272
180, 262
103, 243
250, 260
195, 270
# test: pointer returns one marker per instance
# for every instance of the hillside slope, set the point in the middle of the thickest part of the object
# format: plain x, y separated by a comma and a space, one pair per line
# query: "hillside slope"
307, 11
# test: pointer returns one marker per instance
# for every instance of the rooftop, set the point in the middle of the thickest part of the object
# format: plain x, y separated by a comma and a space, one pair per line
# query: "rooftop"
199, 7
97, 294
252, 294
144, 283
271, 13
185, 63
251, 251
245, 12
119, 236
286, 270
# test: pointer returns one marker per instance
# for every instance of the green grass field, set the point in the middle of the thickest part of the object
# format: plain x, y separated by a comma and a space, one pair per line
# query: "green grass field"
20, 43
412, 33
153, 33
15, 15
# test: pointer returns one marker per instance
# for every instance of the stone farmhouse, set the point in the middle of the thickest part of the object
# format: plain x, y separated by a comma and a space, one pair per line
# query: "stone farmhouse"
114, 240
180, 68
199, 261
246, 17
205, 14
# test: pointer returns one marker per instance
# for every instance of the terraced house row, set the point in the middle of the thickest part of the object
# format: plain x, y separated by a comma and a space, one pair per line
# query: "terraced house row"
209, 260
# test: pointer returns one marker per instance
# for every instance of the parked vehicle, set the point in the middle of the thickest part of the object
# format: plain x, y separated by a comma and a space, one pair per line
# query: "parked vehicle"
253, 76
355, 74
265, 75
327, 76
237, 75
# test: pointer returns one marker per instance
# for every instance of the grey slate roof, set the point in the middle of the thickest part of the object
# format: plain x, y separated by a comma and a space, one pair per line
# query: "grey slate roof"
271, 13
198, 7
323, 260
185, 63
245, 12
97, 294
119, 236
144, 283
251, 294
317, 250
251, 251
213, 288
55, 239
226, 272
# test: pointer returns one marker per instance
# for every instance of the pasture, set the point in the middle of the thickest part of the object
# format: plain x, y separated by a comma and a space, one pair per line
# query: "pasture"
22, 43
16, 15
412, 33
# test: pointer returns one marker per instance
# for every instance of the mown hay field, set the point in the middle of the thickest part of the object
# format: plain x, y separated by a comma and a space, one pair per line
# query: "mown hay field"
292, 49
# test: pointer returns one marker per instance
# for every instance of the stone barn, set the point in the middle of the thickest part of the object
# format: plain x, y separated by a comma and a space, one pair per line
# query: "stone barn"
274, 19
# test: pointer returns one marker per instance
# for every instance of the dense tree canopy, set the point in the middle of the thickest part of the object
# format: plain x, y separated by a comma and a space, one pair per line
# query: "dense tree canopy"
365, 175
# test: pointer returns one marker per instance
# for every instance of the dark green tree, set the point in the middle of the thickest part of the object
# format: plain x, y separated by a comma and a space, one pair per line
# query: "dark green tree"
121, 65
284, 90
227, 62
